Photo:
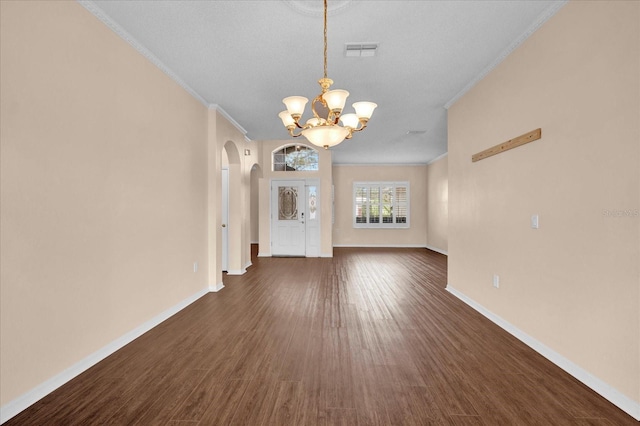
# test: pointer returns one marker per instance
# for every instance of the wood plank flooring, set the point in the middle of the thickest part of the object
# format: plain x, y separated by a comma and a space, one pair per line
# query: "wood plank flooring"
369, 337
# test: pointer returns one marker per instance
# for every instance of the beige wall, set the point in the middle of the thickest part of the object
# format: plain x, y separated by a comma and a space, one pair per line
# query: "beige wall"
438, 205
103, 186
344, 234
256, 174
574, 283
323, 175
228, 143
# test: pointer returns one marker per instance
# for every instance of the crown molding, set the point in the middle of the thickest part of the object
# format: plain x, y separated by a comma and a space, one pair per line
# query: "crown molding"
544, 17
439, 157
230, 119
123, 34
378, 164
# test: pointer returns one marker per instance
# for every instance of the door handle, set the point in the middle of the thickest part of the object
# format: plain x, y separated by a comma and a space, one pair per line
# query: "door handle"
224, 225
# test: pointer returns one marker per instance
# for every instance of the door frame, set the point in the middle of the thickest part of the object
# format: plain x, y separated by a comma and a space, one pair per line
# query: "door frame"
225, 219
313, 230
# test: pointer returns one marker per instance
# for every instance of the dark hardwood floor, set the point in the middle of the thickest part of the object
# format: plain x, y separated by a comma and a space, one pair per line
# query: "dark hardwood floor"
369, 337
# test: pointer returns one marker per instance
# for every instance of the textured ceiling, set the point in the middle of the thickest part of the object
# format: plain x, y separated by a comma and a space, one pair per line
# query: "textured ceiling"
245, 56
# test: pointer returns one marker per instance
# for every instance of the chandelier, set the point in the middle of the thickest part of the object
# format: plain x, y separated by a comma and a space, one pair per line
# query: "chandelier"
325, 131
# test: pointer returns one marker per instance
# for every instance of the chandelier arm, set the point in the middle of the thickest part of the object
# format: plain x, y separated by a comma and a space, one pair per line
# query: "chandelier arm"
361, 128
327, 131
298, 125
292, 129
320, 99
363, 125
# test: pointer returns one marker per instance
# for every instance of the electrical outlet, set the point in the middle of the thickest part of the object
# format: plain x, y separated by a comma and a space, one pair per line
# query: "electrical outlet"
535, 222
496, 281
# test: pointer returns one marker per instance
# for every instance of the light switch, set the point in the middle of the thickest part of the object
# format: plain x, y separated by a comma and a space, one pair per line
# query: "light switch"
535, 224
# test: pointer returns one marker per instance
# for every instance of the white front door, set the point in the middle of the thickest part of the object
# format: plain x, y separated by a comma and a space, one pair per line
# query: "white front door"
288, 218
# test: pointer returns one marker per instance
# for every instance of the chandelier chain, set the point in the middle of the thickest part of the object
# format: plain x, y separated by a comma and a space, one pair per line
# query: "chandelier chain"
325, 38
324, 130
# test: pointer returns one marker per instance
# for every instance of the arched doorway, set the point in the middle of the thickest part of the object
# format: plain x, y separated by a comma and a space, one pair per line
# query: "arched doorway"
231, 231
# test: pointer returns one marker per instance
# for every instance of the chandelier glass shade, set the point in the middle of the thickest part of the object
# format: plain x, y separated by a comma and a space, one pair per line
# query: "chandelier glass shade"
326, 131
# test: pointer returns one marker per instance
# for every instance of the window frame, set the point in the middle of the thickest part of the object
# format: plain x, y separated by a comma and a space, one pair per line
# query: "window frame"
282, 151
380, 187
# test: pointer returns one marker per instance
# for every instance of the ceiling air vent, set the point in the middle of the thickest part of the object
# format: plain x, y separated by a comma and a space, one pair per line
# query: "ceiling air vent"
360, 50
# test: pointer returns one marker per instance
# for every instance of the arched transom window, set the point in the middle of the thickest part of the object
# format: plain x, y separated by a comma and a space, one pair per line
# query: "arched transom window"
295, 158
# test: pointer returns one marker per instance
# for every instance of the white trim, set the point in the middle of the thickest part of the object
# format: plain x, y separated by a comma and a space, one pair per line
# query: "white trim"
122, 33
548, 13
437, 250
380, 245
236, 272
367, 205
247, 266
439, 157
607, 391
376, 164
230, 120
29, 398
216, 288
287, 143
282, 149
325, 255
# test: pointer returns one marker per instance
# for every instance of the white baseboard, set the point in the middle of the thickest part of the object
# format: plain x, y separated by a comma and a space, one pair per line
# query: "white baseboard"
247, 266
380, 245
437, 250
236, 272
269, 255
607, 391
216, 288
29, 398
